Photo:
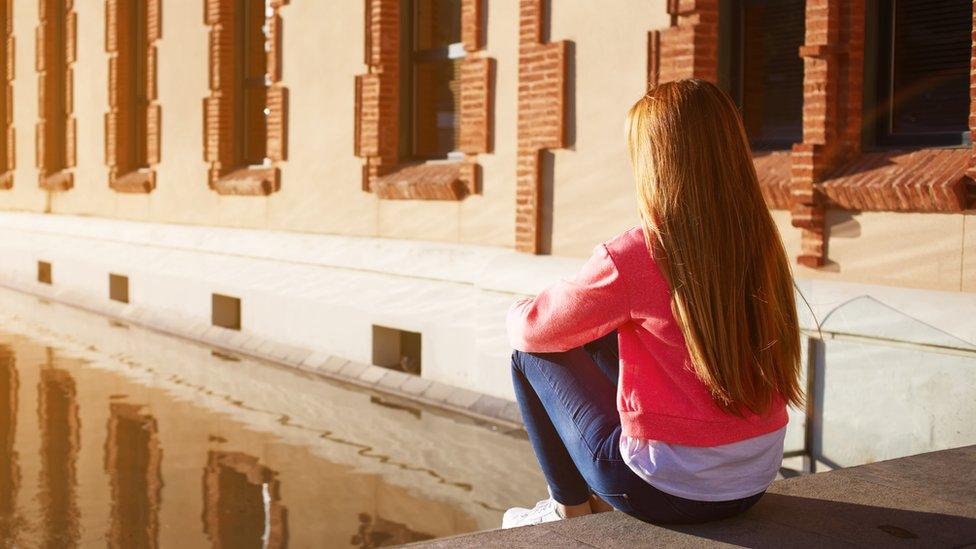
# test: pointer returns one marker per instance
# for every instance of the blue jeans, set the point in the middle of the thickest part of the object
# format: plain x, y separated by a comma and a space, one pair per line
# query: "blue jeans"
568, 403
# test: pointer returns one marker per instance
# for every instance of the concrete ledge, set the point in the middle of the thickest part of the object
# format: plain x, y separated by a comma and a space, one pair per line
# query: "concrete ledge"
927, 317
928, 500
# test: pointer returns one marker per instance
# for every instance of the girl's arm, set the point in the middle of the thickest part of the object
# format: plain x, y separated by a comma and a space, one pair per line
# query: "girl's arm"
571, 312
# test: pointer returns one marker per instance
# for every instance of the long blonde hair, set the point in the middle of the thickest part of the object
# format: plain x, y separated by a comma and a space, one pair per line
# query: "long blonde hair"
708, 227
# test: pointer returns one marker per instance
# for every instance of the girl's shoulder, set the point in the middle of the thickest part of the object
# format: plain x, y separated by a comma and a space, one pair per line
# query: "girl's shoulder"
629, 246
633, 259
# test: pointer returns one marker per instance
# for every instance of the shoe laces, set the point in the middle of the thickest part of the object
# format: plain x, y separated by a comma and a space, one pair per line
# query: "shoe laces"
543, 508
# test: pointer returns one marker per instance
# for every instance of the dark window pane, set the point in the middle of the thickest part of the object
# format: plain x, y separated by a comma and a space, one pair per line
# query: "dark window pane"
930, 66
254, 89
772, 72
137, 30
54, 109
437, 23
436, 97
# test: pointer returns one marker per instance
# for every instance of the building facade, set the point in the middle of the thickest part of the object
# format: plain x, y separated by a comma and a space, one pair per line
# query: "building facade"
377, 179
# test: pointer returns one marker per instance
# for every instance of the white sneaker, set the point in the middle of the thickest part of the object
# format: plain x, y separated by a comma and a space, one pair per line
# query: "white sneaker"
544, 511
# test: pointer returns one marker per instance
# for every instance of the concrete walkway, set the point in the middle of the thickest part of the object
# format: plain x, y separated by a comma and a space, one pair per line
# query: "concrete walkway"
928, 500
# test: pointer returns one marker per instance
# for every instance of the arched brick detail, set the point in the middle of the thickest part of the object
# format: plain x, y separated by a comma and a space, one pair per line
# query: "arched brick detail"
126, 172
541, 118
377, 108
228, 173
55, 132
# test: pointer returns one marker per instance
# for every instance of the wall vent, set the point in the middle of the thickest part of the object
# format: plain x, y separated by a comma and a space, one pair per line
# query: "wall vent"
44, 272
118, 288
396, 349
225, 311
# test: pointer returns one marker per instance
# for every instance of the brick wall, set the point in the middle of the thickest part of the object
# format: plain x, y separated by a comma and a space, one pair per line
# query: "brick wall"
229, 173
827, 169
377, 109
833, 56
56, 51
971, 172
689, 47
541, 118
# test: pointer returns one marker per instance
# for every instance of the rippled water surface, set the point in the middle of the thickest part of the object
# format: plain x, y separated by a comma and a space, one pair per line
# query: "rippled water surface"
116, 436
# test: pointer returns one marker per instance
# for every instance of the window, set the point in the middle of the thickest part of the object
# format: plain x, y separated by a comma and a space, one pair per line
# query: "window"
923, 63
245, 112
250, 114
429, 105
132, 122
136, 100
426, 96
56, 127
765, 70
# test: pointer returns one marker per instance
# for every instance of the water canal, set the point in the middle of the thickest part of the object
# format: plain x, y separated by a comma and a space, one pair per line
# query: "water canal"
119, 436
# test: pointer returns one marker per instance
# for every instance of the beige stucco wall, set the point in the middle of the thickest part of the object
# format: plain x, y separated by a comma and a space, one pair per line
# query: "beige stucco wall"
912, 250
321, 187
593, 194
320, 192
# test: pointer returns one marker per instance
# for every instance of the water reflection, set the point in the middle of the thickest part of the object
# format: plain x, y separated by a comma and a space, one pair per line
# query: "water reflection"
379, 532
9, 468
134, 439
132, 460
242, 506
57, 411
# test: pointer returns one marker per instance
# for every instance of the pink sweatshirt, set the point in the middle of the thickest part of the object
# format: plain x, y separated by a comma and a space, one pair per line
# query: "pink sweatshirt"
659, 396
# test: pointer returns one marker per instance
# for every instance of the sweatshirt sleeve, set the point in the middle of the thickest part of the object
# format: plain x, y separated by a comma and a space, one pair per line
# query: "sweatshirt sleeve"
571, 312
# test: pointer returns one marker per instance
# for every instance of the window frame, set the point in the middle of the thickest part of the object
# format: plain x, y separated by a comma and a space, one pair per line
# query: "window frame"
410, 55
879, 88
731, 70
138, 93
132, 122
230, 171
55, 130
245, 122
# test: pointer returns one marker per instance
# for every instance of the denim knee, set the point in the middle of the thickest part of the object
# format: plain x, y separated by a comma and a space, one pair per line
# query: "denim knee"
517, 360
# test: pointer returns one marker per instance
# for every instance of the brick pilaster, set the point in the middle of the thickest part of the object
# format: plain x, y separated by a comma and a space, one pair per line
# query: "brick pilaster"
689, 47
378, 91
971, 172
833, 56
541, 118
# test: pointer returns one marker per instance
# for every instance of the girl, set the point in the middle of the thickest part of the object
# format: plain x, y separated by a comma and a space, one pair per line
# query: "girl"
686, 422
